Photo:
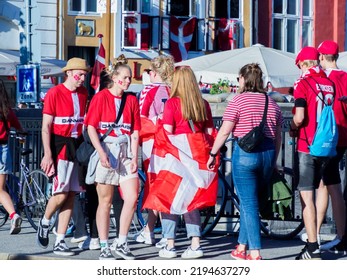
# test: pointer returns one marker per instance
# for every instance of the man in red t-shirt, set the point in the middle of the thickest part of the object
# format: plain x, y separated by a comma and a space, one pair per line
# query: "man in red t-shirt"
63, 116
328, 55
309, 90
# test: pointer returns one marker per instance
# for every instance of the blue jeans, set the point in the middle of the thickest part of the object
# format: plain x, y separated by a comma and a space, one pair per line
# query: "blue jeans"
251, 172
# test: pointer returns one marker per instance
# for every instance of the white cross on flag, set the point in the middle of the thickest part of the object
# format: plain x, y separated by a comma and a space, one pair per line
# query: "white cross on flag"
179, 180
181, 34
98, 66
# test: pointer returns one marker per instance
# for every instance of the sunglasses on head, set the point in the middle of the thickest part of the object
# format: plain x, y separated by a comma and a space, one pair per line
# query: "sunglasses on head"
148, 71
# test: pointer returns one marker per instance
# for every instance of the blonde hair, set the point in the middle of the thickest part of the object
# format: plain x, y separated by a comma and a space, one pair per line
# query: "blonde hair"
185, 86
164, 66
113, 69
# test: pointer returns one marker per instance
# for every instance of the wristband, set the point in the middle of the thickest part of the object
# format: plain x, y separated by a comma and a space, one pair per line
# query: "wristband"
213, 155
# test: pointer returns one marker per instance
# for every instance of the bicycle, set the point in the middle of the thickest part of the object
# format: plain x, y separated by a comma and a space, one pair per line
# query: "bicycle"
225, 214
30, 191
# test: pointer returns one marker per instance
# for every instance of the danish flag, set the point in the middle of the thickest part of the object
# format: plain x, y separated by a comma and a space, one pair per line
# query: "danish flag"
181, 34
98, 66
131, 30
178, 178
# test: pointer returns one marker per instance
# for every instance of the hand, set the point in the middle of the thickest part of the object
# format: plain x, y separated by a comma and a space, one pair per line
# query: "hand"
211, 163
47, 166
133, 166
104, 160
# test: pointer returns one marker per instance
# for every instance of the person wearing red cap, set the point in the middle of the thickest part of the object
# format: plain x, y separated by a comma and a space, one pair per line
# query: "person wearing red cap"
307, 107
328, 55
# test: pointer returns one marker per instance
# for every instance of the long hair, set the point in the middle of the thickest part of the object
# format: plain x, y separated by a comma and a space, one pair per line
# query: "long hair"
5, 103
185, 86
164, 66
253, 78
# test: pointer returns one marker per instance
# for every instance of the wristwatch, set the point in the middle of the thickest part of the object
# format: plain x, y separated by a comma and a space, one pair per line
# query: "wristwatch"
213, 155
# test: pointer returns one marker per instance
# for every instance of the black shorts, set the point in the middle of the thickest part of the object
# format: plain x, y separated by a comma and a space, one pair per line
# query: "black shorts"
331, 174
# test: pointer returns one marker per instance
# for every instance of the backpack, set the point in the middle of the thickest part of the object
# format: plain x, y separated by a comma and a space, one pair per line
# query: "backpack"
326, 136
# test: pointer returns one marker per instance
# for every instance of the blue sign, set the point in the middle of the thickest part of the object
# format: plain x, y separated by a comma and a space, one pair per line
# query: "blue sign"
28, 83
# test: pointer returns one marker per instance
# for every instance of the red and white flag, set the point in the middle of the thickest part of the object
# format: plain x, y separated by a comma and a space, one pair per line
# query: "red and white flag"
223, 35
179, 180
181, 34
98, 66
144, 32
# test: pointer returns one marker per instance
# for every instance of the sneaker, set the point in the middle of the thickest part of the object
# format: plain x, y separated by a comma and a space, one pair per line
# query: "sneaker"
249, 258
145, 237
162, 243
90, 244
305, 254
106, 254
168, 254
62, 249
304, 238
330, 244
339, 248
16, 223
123, 251
192, 254
79, 239
238, 255
42, 235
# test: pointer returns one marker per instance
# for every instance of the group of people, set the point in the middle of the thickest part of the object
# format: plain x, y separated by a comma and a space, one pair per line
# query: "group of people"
173, 106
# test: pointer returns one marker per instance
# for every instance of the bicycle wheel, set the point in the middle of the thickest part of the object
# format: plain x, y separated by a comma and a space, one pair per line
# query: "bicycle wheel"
142, 214
3, 215
36, 192
286, 229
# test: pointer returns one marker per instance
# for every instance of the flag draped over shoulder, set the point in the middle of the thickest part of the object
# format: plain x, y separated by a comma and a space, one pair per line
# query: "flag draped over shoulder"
178, 178
181, 35
147, 132
98, 66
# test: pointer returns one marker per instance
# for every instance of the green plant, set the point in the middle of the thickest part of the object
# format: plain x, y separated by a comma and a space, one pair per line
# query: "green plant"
220, 87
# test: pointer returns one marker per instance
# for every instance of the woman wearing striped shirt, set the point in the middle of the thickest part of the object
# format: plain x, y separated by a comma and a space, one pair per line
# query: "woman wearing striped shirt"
250, 170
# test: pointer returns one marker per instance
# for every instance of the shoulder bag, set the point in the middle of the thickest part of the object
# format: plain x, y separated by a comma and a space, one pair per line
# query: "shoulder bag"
256, 136
85, 150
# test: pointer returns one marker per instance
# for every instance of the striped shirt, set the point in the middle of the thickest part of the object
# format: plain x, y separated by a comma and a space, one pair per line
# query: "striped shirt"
246, 111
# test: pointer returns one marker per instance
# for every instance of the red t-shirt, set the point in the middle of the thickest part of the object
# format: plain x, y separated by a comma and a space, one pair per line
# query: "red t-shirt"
306, 91
67, 108
246, 110
152, 100
173, 116
12, 121
339, 77
103, 109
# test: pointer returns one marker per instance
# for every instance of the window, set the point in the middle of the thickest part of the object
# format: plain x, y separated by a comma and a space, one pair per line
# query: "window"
82, 6
224, 8
291, 25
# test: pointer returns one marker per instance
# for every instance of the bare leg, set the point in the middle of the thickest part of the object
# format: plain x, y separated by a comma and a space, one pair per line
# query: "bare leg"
338, 207
5, 198
322, 201
105, 195
309, 214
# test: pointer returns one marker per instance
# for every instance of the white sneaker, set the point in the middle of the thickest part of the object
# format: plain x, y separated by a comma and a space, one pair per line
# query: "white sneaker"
162, 243
330, 244
79, 239
90, 244
168, 254
16, 223
304, 238
192, 254
145, 237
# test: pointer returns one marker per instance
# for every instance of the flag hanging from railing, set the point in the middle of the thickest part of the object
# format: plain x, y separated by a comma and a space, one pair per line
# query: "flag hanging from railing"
181, 34
98, 66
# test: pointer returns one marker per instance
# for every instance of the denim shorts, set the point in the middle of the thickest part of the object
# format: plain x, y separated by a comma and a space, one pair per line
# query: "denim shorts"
310, 170
5, 159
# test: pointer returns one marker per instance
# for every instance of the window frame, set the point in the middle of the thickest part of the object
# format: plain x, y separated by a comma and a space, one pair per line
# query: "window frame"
83, 10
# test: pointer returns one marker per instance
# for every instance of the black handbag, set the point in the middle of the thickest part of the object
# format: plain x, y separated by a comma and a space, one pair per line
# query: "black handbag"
86, 149
256, 136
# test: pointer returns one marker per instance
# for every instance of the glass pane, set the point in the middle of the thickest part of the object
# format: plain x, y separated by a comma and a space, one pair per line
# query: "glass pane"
291, 7
166, 34
222, 9
91, 5
234, 9
277, 34
306, 39
291, 35
179, 7
306, 11
131, 28
278, 6
155, 33
75, 5
130, 5
146, 6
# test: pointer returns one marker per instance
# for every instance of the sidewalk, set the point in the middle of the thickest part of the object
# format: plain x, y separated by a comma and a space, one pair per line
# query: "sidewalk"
216, 247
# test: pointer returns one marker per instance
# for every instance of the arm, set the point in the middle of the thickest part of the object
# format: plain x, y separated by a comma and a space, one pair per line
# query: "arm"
134, 150
297, 121
222, 135
47, 163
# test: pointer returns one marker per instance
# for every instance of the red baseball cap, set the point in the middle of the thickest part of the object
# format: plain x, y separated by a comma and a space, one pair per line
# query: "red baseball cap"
307, 53
328, 47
